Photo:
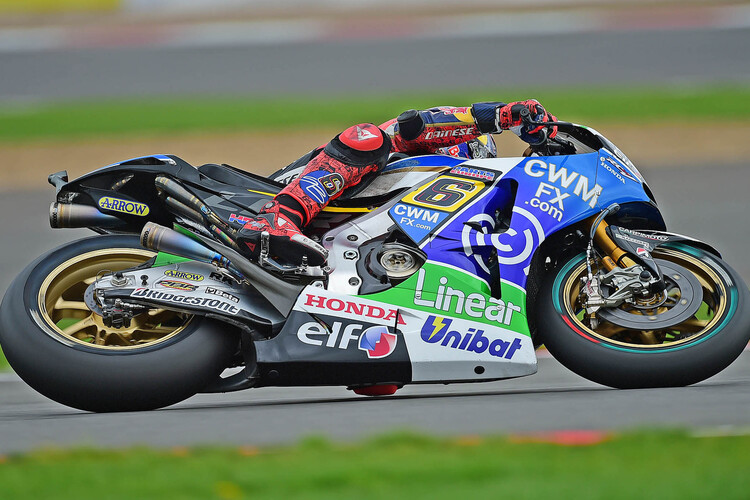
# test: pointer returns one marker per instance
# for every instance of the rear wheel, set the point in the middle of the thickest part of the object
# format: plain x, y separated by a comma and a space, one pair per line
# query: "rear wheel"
690, 332
66, 352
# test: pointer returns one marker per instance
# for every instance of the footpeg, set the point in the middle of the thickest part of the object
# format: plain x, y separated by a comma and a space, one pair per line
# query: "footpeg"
287, 270
265, 245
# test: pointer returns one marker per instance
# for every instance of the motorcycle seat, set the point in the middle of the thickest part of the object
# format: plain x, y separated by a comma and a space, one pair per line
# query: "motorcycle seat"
231, 176
234, 177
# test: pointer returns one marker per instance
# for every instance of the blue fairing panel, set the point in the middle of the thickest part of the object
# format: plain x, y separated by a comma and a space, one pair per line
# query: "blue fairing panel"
552, 193
425, 161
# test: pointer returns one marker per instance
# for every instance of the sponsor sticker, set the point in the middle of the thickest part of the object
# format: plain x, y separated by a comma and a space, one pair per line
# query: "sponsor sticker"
474, 173
339, 336
221, 293
616, 169
452, 110
178, 285
454, 151
239, 218
336, 305
553, 205
658, 237
625, 237
417, 222
561, 181
173, 273
445, 193
124, 206
437, 330
513, 247
454, 300
174, 298
456, 132
321, 185
376, 341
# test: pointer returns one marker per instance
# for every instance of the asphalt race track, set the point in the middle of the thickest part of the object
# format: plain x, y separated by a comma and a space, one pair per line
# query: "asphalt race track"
613, 58
709, 203
553, 399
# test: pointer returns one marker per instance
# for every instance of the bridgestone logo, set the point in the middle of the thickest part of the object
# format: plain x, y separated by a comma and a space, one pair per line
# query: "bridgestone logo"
219, 305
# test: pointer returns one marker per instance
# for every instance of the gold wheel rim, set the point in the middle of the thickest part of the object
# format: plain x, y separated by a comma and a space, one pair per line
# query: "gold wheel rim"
711, 310
62, 306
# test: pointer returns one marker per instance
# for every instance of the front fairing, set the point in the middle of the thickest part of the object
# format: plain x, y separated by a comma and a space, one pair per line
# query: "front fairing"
551, 193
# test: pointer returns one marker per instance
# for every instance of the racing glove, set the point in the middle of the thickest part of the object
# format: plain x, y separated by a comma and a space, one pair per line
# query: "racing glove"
508, 117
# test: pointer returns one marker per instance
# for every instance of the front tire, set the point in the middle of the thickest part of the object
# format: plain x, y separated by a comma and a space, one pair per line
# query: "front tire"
64, 351
690, 350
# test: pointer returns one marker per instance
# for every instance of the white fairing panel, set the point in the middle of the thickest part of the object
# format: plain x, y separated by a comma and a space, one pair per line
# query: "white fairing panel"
453, 350
440, 349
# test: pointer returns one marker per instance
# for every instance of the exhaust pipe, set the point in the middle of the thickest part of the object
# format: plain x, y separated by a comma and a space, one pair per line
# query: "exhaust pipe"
191, 202
163, 239
66, 215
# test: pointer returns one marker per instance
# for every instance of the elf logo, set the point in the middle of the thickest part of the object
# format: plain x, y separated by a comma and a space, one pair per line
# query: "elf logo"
437, 330
376, 341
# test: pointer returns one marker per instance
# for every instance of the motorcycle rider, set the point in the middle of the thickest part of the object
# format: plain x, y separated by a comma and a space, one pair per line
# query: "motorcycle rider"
364, 149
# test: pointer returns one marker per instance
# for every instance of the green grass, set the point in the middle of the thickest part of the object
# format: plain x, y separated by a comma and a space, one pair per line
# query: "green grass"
113, 118
55, 6
642, 465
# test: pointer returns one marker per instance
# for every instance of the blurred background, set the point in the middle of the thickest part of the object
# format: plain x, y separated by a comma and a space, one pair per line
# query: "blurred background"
257, 83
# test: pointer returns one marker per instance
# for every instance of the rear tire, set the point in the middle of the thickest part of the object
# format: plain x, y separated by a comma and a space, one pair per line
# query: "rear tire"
170, 365
681, 354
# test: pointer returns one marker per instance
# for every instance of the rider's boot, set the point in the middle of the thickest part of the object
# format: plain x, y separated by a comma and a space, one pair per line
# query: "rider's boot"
354, 153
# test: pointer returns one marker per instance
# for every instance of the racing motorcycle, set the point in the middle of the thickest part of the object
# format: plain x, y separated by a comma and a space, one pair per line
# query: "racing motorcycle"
440, 270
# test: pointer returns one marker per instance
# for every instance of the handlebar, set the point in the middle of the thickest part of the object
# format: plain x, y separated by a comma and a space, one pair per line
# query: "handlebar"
525, 115
557, 145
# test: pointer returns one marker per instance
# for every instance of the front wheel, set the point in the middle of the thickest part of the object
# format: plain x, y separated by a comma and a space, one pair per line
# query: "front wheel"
695, 329
66, 352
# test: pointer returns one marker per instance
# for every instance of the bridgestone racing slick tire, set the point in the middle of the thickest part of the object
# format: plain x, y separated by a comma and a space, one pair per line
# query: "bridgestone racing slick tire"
165, 358
676, 355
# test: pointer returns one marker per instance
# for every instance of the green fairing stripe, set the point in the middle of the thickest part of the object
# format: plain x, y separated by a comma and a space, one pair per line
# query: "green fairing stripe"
165, 259
450, 292
186, 232
685, 248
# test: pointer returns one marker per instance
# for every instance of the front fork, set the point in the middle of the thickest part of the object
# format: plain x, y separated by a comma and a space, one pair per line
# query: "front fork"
613, 255
624, 277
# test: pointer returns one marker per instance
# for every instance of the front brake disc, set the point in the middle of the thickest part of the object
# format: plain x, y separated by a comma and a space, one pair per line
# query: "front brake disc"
690, 300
